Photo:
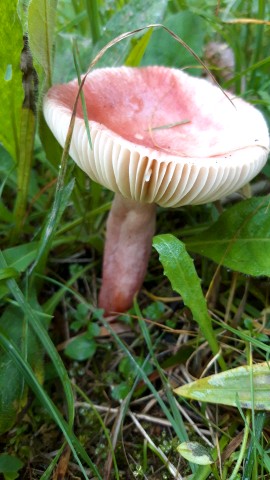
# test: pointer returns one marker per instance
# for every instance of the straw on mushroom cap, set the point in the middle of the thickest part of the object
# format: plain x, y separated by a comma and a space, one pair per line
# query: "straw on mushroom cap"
159, 136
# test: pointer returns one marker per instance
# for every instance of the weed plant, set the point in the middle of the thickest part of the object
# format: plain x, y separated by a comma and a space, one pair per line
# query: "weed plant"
73, 403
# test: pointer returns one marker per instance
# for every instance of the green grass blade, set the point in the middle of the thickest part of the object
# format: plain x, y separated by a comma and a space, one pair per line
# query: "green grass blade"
51, 304
92, 7
47, 475
181, 433
41, 21
76, 60
180, 270
26, 145
143, 375
44, 338
104, 428
252, 451
62, 196
135, 56
244, 336
45, 400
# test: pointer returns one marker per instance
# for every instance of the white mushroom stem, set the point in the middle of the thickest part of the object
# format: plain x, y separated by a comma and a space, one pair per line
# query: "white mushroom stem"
130, 229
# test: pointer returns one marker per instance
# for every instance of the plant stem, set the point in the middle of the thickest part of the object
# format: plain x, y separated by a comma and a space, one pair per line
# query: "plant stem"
93, 16
243, 447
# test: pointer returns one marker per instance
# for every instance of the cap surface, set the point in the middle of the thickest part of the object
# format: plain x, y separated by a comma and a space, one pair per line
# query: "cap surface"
160, 135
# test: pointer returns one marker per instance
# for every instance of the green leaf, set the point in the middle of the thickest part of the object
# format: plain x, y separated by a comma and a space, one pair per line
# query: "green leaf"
18, 258
195, 452
38, 327
179, 268
9, 466
240, 238
61, 200
164, 50
12, 385
135, 56
135, 14
22, 256
41, 21
26, 371
121, 391
11, 90
81, 348
248, 386
8, 273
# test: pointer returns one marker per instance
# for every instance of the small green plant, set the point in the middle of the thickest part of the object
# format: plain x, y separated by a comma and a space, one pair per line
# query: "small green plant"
79, 395
10, 466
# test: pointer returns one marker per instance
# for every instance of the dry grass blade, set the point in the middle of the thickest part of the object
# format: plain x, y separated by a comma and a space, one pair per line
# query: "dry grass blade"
170, 466
113, 42
246, 21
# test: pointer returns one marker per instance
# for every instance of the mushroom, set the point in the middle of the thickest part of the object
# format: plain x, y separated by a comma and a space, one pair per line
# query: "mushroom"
159, 136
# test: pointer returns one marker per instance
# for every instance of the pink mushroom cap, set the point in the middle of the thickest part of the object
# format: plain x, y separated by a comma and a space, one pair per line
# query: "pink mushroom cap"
160, 135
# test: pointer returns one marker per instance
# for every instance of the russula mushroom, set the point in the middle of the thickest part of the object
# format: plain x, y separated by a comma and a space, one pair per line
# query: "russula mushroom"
159, 136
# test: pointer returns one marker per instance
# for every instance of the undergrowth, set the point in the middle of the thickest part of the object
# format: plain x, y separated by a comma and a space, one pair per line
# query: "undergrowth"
73, 402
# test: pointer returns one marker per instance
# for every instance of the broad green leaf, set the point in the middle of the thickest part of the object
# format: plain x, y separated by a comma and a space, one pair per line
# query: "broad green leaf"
248, 386
9, 466
135, 14
22, 256
11, 90
164, 50
41, 22
240, 238
179, 268
120, 391
12, 385
81, 348
195, 452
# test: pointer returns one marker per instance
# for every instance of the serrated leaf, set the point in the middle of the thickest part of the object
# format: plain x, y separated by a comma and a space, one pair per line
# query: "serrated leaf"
179, 268
240, 238
11, 90
248, 386
195, 452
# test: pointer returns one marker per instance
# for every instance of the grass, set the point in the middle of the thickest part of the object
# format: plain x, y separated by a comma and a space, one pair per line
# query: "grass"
73, 403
